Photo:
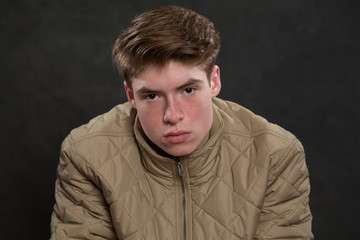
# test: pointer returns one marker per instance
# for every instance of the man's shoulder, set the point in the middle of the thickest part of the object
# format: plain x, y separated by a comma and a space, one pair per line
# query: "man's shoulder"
119, 121
108, 132
241, 122
94, 147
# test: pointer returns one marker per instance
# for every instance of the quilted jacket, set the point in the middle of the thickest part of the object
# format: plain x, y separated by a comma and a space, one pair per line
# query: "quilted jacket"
249, 181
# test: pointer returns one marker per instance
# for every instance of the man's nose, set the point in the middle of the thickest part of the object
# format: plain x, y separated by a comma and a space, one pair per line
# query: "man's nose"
173, 112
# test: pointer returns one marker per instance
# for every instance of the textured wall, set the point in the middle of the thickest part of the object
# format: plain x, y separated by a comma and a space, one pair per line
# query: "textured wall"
294, 62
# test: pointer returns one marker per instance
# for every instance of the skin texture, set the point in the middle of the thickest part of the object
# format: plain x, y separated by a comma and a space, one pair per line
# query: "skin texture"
174, 105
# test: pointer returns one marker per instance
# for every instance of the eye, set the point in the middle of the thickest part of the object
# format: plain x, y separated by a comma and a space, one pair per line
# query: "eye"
189, 91
151, 97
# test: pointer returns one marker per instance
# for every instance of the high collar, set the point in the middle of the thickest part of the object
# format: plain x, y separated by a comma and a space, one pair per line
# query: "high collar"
199, 166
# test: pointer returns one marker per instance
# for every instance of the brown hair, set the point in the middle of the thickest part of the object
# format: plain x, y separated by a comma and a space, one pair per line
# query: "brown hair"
163, 34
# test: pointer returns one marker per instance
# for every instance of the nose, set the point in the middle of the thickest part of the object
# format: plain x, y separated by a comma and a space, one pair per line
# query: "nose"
173, 112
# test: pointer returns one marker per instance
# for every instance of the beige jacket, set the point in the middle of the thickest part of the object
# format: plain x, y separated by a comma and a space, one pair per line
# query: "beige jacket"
249, 181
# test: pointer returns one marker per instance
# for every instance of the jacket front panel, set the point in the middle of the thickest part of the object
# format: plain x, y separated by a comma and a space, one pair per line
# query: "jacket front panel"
234, 187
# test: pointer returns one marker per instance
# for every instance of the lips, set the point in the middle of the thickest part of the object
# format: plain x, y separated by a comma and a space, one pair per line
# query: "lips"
177, 137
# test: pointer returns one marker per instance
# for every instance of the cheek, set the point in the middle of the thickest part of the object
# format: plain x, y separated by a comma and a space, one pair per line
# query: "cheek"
150, 116
201, 111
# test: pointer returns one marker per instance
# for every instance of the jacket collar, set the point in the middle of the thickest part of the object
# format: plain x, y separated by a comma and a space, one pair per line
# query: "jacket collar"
199, 166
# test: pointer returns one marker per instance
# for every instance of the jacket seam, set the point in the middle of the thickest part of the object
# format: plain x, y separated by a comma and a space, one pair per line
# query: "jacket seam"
73, 149
286, 156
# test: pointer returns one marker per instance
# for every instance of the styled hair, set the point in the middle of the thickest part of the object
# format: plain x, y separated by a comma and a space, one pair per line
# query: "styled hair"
163, 34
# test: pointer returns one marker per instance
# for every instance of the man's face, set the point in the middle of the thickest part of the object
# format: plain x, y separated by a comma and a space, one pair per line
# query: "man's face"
174, 105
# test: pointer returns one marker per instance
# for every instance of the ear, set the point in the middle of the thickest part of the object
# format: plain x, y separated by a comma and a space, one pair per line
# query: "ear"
215, 82
130, 95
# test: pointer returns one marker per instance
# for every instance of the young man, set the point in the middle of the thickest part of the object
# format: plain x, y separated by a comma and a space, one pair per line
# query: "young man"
175, 162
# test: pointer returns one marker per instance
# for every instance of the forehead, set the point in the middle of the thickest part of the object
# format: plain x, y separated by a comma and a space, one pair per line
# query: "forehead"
170, 74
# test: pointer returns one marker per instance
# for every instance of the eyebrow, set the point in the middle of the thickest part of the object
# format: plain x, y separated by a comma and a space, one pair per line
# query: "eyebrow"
192, 81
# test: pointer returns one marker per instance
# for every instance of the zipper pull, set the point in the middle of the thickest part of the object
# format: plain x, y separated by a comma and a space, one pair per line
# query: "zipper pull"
180, 168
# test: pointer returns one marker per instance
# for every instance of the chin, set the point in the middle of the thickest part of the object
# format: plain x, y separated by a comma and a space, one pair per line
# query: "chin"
179, 152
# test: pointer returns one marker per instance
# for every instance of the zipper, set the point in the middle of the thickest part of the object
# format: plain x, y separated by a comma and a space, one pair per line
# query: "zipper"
181, 173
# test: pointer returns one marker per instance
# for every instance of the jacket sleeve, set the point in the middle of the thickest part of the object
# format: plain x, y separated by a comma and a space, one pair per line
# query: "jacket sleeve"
286, 213
80, 211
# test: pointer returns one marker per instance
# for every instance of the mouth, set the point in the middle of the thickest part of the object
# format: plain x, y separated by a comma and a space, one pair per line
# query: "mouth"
177, 137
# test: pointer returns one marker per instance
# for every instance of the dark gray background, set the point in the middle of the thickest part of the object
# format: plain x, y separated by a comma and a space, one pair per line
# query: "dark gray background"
294, 62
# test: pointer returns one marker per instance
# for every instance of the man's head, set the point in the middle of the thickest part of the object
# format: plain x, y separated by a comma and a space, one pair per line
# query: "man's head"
163, 34
167, 57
